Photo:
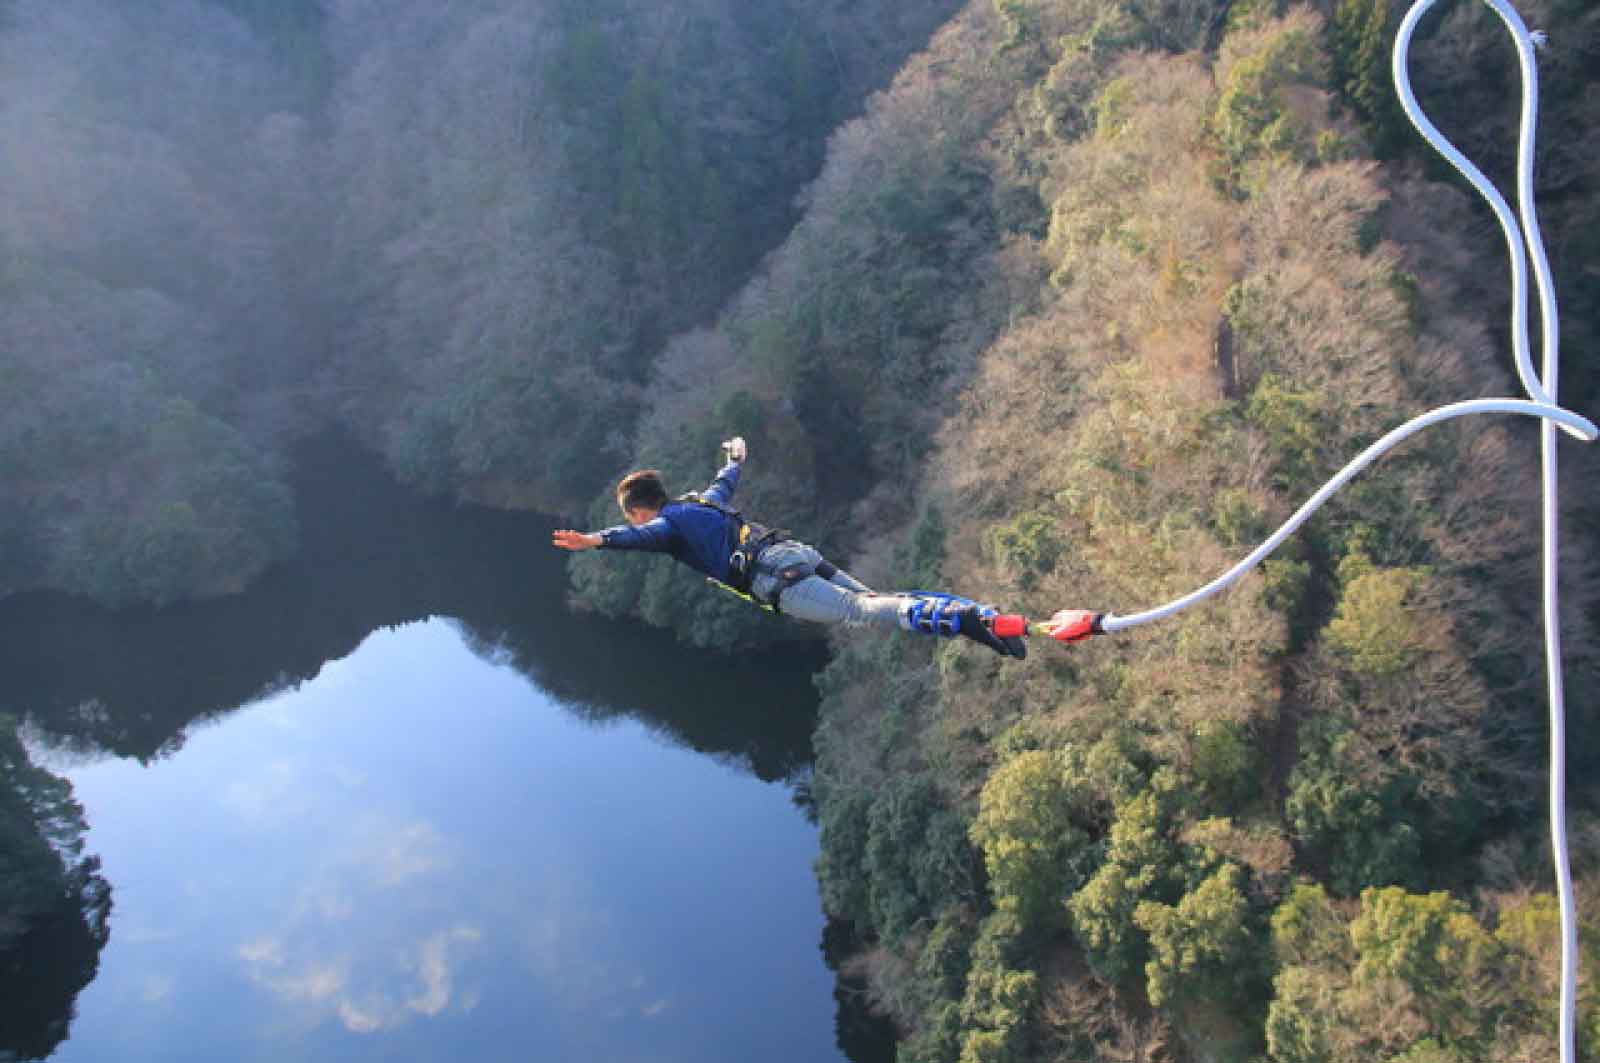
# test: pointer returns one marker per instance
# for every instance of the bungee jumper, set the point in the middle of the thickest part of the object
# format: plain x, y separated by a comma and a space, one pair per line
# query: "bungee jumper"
769, 567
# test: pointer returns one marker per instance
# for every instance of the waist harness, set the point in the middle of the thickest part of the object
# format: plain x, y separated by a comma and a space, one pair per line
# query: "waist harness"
753, 538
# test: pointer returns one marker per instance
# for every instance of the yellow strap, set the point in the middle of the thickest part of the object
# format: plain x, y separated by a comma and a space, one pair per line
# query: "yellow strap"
740, 594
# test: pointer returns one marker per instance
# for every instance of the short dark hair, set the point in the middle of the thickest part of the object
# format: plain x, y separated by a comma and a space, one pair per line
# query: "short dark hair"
642, 489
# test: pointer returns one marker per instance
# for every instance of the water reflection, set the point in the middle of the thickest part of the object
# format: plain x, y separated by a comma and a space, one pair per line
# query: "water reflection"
418, 848
372, 937
46, 964
373, 556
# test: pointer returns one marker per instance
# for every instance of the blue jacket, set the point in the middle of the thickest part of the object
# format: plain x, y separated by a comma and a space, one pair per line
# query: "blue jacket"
701, 537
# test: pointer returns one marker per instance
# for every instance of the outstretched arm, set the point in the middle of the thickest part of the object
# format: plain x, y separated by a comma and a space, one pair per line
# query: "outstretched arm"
727, 481
654, 536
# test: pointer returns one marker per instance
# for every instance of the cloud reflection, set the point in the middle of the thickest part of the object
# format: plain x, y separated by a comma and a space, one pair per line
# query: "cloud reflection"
270, 793
361, 994
434, 970
157, 988
415, 849
369, 939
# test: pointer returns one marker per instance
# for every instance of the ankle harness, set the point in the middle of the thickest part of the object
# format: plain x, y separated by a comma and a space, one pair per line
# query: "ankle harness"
933, 613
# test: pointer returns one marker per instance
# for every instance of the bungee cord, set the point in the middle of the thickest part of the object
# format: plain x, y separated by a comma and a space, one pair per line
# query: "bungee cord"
1544, 389
1515, 233
1581, 425
1523, 239
1074, 625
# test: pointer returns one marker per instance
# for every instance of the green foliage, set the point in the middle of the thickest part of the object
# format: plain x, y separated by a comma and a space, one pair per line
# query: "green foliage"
1139, 834
1103, 786
1238, 517
611, 584
1435, 948
137, 497
1530, 930
1372, 626
1202, 947
1227, 763
1409, 977
1283, 583
1253, 116
1307, 930
651, 152
1295, 426
1246, 15
808, 93
1027, 547
1429, 1050
1113, 108
920, 562
54, 904
896, 860
1142, 864
778, 349
916, 857
1355, 823
841, 867
999, 996
1302, 1022
1031, 845
1020, 19
1102, 920
1363, 38
937, 1040
942, 964
30, 868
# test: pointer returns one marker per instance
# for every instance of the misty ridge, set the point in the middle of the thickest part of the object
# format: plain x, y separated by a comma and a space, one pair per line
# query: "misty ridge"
462, 231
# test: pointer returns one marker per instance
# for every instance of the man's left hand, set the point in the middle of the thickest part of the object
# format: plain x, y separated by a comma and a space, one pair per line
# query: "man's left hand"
567, 539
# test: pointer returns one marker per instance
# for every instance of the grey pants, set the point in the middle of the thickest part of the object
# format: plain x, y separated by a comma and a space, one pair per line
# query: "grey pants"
843, 599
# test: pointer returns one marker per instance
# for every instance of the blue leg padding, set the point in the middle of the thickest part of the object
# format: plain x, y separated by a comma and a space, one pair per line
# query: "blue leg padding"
933, 613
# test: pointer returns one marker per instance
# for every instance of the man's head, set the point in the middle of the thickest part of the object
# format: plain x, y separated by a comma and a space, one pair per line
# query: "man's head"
641, 495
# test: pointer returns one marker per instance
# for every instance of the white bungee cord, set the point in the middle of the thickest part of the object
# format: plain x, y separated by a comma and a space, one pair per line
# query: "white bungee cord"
1582, 426
1541, 403
1545, 390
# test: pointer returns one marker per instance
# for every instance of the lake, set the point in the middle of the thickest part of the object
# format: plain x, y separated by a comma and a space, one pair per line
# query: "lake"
400, 802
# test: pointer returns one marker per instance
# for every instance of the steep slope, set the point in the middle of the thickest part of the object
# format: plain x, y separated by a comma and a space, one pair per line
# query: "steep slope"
1085, 339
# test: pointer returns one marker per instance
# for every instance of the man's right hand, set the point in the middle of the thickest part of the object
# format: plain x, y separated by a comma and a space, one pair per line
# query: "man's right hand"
567, 539
734, 449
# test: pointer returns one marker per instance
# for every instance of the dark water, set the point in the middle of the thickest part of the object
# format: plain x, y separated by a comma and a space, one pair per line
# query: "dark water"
398, 802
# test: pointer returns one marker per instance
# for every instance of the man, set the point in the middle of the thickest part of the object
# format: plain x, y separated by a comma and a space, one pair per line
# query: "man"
708, 535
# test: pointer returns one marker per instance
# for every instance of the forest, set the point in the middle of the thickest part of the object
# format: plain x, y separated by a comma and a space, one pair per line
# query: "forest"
1051, 302
1097, 293
462, 236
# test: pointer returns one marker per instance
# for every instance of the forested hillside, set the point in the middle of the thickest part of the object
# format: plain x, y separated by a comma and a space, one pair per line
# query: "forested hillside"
462, 232
530, 199
1086, 300
141, 312
1085, 304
